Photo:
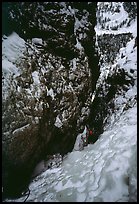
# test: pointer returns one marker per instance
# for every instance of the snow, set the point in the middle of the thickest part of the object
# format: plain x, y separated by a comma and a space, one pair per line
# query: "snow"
13, 48
129, 29
8, 67
105, 171
130, 59
79, 143
58, 122
130, 53
37, 41
78, 45
116, 17
93, 97
78, 25
73, 63
97, 173
51, 93
21, 129
36, 77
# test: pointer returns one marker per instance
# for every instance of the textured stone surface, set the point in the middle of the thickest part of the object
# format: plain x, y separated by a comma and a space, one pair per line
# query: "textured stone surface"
46, 103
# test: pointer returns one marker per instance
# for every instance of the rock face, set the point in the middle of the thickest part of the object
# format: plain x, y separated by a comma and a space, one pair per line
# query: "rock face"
48, 80
117, 77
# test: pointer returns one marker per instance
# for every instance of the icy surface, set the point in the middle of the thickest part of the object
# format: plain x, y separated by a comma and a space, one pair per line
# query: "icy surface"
79, 143
100, 172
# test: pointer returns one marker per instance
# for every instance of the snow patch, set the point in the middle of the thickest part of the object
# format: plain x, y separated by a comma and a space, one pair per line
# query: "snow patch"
13, 48
51, 93
37, 41
58, 122
35, 76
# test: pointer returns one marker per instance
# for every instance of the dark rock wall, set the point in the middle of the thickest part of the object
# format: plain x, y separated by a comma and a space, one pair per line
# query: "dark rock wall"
56, 80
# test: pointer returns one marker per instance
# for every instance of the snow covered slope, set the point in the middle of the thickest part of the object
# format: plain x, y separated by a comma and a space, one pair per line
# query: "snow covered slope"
116, 17
106, 170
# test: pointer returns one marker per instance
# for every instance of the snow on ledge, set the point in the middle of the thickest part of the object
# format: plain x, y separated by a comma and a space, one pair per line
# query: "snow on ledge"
58, 122
13, 48
51, 93
37, 41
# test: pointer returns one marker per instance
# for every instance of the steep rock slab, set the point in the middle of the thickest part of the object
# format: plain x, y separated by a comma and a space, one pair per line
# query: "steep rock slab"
47, 89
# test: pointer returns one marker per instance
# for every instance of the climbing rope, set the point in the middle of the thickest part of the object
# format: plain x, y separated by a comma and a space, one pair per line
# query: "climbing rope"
27, 192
